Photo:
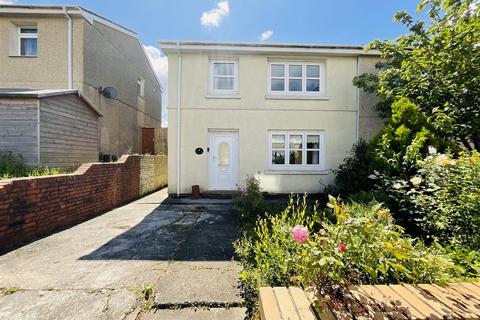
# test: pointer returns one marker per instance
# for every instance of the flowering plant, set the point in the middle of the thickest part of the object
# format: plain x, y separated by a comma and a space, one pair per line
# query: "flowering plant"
364, 245
300, 233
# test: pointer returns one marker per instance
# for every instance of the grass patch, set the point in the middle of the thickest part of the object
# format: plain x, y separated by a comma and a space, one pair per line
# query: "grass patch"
9, 291
146, 295
13, 166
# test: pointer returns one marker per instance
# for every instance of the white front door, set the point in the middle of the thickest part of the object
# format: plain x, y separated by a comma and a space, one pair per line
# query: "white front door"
223, 160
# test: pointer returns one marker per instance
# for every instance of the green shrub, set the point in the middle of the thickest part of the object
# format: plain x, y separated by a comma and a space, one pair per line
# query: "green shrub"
268, 254
365, 246
352, 175
250, 204
441, 200
467, 260
376, 251
405, 140
13, 166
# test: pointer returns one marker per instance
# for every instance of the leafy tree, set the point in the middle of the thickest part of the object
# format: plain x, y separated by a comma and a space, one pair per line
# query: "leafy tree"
405, 140
436, 65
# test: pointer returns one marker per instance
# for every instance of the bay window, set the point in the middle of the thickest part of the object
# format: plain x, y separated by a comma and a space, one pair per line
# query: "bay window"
296, 150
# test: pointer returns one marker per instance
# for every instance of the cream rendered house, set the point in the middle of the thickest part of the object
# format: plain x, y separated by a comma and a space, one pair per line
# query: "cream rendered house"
287, 114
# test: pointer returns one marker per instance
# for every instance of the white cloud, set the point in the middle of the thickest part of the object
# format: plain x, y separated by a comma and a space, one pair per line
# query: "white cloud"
160, 66
159, 62
266, 35
7, 1
214, 17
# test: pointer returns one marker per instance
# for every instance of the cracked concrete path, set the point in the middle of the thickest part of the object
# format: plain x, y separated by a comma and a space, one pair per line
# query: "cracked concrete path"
94, 270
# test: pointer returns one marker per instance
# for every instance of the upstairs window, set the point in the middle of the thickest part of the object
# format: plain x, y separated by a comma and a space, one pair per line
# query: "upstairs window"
296, 150
140, 86
27, 41
224, 76
296, 78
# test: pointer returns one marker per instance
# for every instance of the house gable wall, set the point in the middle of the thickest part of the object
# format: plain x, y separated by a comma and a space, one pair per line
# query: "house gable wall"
49, 69
102, 56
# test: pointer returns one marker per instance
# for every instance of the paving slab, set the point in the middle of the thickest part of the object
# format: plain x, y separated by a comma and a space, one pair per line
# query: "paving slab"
197, 314
95, 269
207, 284
68, 304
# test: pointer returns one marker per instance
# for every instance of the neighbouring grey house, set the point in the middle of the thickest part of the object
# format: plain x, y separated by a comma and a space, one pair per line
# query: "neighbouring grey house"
68, 47
55, 128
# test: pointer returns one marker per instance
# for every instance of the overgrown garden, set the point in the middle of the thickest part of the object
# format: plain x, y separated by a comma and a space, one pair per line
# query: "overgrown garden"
405, 206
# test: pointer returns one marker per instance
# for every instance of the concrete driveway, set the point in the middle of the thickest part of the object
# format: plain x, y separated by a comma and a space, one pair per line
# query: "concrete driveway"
97, 269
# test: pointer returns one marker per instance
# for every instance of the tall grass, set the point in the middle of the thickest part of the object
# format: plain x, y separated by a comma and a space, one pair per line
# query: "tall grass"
13, 166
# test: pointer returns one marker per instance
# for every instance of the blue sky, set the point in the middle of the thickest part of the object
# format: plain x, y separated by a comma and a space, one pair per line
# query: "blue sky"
284, 21
300, 21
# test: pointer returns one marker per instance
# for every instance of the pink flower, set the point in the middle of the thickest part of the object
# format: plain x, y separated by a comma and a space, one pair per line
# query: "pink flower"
342, 248
300, 234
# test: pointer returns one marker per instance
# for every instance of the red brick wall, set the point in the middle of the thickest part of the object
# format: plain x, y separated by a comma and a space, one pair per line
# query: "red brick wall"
36, 207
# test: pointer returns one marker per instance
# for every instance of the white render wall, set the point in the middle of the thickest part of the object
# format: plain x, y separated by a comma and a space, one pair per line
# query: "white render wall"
253, 114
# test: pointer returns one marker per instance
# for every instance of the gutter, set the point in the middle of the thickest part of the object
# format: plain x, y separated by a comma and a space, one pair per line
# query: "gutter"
69, 50
179, 83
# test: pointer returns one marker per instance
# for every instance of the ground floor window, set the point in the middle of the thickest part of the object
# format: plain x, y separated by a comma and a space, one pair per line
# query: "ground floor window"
296, 150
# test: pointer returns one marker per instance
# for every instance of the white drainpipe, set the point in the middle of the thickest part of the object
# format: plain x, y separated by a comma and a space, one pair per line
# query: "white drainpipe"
179, 83
69, 49
357, 107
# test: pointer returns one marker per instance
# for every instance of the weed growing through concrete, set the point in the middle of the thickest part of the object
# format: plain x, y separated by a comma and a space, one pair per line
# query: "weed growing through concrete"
8, 291
146, 294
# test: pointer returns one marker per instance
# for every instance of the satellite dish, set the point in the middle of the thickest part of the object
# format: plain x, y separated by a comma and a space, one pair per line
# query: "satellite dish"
109, 92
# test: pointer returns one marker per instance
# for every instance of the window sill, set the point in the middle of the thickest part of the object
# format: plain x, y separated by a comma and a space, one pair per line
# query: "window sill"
297, 172
19, 56
295, 97
223, 96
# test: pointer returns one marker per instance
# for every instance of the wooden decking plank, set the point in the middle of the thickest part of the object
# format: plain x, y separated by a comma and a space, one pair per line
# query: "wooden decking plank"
322, 310
268, 304
408, 308
466, 292
417, 302
339, 310
303, 305
477, 284
466, 298
388, 305
285, 304
358, 310
450, 301
369, 304
472, 287
441, 311
468, 304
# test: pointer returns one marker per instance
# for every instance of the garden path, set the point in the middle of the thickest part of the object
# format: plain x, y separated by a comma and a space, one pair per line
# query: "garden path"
95, 270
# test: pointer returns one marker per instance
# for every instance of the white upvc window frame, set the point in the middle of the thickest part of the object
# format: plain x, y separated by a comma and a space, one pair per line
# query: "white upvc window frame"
141, 83
226, 92
286, 78
22, 35
320, 167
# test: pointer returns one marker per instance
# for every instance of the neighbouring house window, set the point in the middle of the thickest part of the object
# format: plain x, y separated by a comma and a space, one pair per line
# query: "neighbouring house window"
140, 86
296, 150
224, 76
296, 78
27, 41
